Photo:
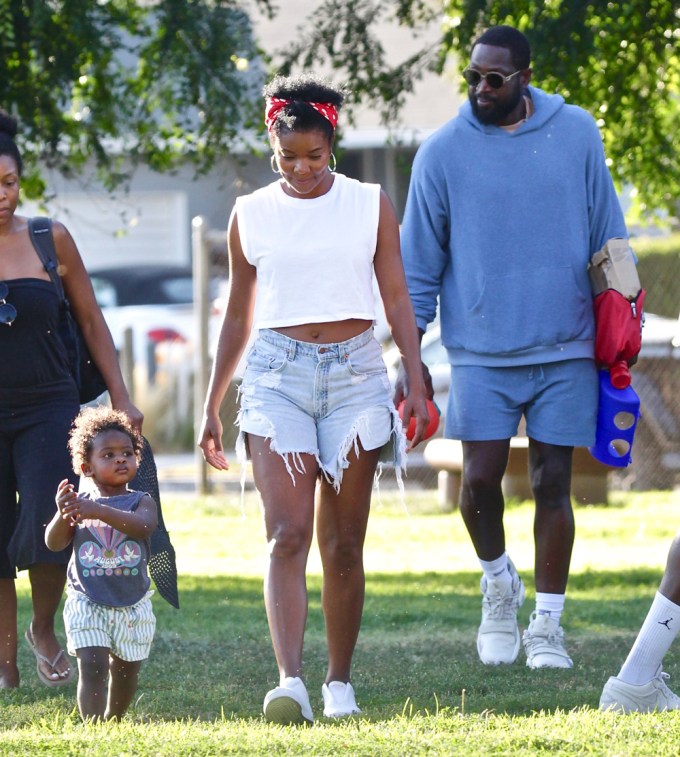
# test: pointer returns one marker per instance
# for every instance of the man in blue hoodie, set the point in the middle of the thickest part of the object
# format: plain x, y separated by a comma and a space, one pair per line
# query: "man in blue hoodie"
507, 203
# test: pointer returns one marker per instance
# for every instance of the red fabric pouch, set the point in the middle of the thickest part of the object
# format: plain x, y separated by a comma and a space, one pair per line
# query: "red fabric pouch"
618, 327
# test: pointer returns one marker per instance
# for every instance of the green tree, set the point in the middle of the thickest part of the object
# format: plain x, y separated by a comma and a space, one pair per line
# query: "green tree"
619, 60
123, 82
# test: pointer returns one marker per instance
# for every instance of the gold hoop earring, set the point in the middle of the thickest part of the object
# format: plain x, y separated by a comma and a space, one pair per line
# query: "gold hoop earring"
335, 163
274, 165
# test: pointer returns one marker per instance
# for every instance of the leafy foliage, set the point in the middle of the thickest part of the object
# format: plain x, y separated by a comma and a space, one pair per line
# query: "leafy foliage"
618, 60
124, 82
343, 35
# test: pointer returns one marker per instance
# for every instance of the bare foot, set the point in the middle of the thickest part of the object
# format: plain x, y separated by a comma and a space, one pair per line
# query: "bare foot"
53, 665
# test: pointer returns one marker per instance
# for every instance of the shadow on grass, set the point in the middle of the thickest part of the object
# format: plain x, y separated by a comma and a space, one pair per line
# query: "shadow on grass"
416, 651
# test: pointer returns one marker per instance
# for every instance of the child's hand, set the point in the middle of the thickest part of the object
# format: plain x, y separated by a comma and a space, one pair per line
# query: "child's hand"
66, 500
66, 495
83, 508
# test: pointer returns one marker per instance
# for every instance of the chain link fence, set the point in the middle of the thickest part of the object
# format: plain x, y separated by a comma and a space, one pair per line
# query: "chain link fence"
656, 377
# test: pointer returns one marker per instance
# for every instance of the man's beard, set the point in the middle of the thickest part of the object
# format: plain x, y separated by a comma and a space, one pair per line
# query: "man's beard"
499, 110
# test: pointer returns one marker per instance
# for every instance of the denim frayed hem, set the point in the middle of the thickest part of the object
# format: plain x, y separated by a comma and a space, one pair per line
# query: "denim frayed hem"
393, 454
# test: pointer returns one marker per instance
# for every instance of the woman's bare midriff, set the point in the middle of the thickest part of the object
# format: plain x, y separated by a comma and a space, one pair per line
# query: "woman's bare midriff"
326, 333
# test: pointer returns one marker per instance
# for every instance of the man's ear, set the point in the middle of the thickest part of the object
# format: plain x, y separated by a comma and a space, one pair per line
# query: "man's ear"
526, 76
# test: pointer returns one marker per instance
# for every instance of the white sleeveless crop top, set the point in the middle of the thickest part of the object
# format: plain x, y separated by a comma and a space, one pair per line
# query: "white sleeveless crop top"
314, 257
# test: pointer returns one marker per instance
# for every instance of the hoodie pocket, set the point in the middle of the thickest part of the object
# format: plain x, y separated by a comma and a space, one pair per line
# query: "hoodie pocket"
524, 309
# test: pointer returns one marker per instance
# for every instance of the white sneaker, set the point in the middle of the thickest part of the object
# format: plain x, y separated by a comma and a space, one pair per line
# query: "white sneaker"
653, 696
338, 700
544, 643
498, 636
288, 704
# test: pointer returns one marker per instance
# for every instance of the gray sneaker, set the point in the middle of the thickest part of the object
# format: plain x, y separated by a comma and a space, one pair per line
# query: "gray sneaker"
498, 636
544, 643
653, 696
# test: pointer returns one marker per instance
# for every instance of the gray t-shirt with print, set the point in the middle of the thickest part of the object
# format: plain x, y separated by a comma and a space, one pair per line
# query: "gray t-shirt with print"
108, 566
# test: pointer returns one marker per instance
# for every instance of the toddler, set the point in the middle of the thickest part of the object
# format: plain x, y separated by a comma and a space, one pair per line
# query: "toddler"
108, 615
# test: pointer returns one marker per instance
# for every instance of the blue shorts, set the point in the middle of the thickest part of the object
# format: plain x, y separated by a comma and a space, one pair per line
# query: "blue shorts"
126, 631
320, 400
558, 400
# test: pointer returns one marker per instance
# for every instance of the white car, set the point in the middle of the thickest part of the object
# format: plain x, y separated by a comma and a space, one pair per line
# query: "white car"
156, 303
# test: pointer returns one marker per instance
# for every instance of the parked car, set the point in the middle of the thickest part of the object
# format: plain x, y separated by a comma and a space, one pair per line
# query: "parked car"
156, 303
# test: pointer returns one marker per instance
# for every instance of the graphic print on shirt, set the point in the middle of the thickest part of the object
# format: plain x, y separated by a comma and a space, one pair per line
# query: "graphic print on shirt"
110, 553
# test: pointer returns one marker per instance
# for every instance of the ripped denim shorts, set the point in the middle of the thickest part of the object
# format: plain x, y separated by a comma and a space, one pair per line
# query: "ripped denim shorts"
320, 400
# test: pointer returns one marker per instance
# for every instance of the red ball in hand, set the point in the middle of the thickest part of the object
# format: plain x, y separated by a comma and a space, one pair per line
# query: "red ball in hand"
433, 412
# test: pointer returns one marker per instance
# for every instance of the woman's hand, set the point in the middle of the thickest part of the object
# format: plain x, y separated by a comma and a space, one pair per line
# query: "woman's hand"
132, 411
415, 406
210, 441
401, 388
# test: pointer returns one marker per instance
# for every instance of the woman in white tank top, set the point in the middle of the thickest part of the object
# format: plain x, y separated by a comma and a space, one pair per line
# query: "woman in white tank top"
316, 405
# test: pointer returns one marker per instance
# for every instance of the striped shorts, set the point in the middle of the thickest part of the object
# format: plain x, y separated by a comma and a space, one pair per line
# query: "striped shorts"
127, 631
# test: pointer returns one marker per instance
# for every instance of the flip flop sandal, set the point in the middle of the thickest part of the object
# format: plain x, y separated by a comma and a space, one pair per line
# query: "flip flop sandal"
41, 658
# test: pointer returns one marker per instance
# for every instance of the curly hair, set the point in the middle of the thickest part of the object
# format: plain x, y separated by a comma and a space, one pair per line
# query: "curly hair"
303, 89
8, 131
93, 421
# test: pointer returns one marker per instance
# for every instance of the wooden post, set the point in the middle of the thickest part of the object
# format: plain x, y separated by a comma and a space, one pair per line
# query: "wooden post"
201, 270
127, 361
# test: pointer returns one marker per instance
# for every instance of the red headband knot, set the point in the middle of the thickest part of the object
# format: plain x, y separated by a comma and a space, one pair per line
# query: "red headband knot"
274, 105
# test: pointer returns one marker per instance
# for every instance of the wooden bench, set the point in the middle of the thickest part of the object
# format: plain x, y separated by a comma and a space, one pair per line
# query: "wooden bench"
588, 478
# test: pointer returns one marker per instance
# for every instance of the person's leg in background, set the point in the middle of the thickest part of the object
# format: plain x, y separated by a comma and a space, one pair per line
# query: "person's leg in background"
482, 506
550, 476
640, 684
42, 460
560, 415
484, 410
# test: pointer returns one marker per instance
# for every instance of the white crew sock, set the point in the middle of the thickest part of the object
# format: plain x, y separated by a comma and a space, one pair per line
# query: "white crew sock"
549, 604
497, 569
660, 628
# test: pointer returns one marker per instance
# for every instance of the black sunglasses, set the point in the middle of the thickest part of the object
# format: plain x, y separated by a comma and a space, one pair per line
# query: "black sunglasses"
493, 78
8, 312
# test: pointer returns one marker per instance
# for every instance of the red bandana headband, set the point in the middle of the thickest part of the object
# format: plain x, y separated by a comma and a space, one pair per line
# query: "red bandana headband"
274, 105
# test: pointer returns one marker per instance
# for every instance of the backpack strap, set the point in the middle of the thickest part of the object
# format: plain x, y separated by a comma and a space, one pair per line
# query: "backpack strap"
40, 230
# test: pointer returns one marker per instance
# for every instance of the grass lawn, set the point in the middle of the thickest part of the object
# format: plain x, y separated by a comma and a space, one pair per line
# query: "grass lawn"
416, 671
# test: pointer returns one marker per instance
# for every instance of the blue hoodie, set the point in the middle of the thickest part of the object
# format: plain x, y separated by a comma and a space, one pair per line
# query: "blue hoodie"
501, 225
